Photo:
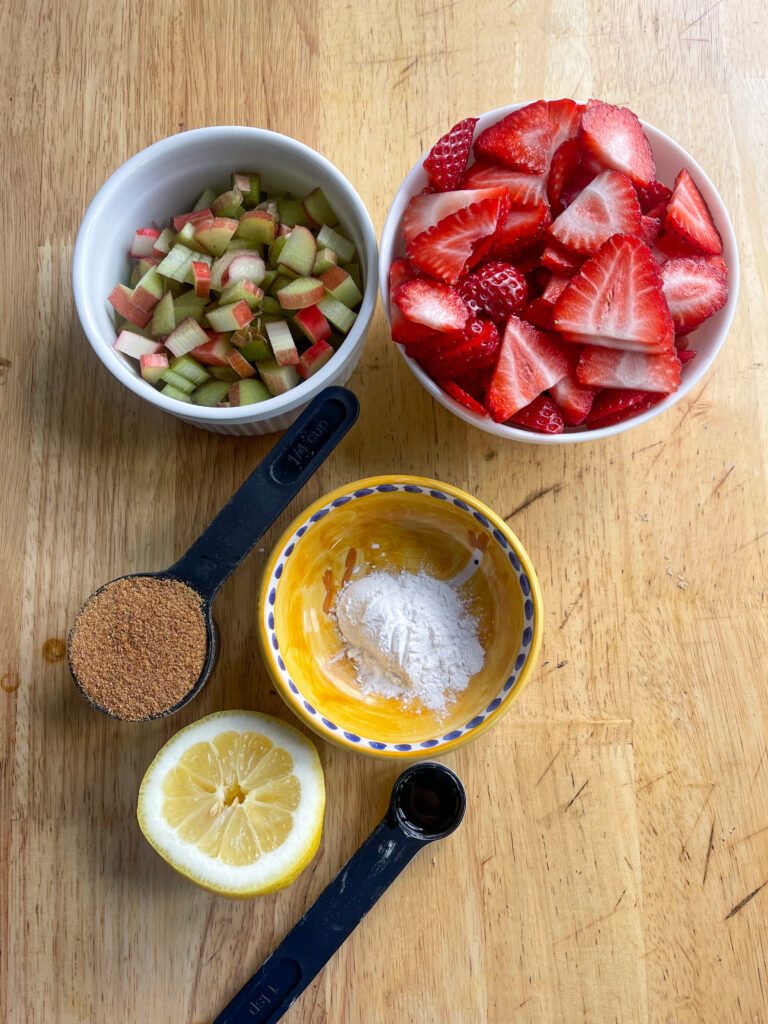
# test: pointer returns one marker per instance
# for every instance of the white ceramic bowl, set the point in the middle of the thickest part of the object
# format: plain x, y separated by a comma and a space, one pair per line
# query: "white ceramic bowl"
165, 179
707, 339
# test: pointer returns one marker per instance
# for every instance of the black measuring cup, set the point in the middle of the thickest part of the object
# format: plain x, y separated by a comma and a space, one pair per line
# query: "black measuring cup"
249, 513
427, 803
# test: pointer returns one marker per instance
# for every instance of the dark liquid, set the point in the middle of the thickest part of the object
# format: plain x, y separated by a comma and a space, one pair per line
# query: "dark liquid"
429, 801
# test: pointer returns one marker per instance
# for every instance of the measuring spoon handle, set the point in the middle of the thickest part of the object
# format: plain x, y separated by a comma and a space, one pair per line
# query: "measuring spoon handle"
268, 490
332, 917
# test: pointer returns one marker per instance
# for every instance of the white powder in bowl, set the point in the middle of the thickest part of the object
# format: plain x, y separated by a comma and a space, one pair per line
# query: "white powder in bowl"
409, 636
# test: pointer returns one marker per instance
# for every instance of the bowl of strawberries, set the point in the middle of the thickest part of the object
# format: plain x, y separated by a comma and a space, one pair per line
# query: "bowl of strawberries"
556, 272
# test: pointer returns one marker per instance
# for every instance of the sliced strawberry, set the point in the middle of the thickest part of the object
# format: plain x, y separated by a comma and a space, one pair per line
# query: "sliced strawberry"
565, 161
607, 206
689, 218
522, 139
653, 195
615, 137
498, 288
477, 382
573, 398
400, 270
611, 400
521, 228
474, 349
402, 329
426, 210
610, 368
461, 396
648, 232
685, 355
716, 262
542, 415
560, 261
565, 118
431, 303
693, 292
555, 286
539, 313
524, 189
447, 160
529, 362
527, 262
459, 240
616, 300
648, 402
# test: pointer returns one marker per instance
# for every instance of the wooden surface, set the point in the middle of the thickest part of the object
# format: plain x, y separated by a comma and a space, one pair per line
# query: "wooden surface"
614, 858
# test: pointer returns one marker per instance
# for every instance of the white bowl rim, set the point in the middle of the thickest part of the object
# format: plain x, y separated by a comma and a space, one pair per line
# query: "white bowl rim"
691, 376
303, 392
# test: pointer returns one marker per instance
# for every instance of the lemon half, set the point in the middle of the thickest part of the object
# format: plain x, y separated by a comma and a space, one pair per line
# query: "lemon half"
235, 803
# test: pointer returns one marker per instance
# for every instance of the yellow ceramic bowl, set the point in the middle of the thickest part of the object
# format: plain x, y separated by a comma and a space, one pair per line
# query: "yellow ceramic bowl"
396, 523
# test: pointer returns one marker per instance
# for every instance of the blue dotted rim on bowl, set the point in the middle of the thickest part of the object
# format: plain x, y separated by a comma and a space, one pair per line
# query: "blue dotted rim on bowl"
331, 729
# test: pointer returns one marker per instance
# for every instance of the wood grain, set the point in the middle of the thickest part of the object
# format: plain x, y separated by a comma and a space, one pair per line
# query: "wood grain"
614, 858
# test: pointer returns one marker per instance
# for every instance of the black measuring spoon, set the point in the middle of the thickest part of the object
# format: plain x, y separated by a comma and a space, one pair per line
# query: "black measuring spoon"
427, 803
249, 513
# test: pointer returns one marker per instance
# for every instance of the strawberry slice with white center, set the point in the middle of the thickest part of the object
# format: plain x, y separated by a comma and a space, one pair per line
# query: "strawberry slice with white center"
565, 118
428, 209
541, 415
431, 303
616, 138
524, 189
609, 368
688, 217
607, 206
653, 195
560, 261
522, 226
555, 287
402, 329
616, 300
459, 241
529, 362
565, 161
451, 355
522, 140
460, 395
693, 290
447, 159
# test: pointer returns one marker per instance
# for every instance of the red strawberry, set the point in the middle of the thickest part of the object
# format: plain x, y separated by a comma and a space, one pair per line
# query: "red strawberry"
565, 160
685, 355
625, 414
461, 396
431, 303
447, 160
565, 117
527, 261
524, 189
693, 292
426, 210
560, 261
573, 398
522, 226
459, 240
477, 382
716, 262
541, 414
400, 270
529, 362
607, 206
555, 286
616, 300
648, 231
689, 218
402, 329
522, 139
616, 138
455, 354
610, 368
612, 400
498, 288
652, 195
539, 313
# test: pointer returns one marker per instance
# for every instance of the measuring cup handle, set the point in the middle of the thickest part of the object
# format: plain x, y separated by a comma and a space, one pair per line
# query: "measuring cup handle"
268, 490
329, 921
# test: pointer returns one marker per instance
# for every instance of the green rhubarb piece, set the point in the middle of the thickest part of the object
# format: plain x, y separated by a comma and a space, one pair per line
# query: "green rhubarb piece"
249, 186
328, 238
340, 285
242, 245
228, 204
268, 278
178, 263
269, 206
172, 392
215, 234
256, 349
290, 212
325, 260
303, 292
279, 282
165, 241
211, 392
239, 290
205, 199
318, 209
299, 252
278, 379
247, 392
336, 313
224, 373
282, 344
133, 280
146, 264
163, 318
188, 305
275, 250
177, 381
229, 317
258, 227
190, 369
186, 236
269, 304
353, 269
